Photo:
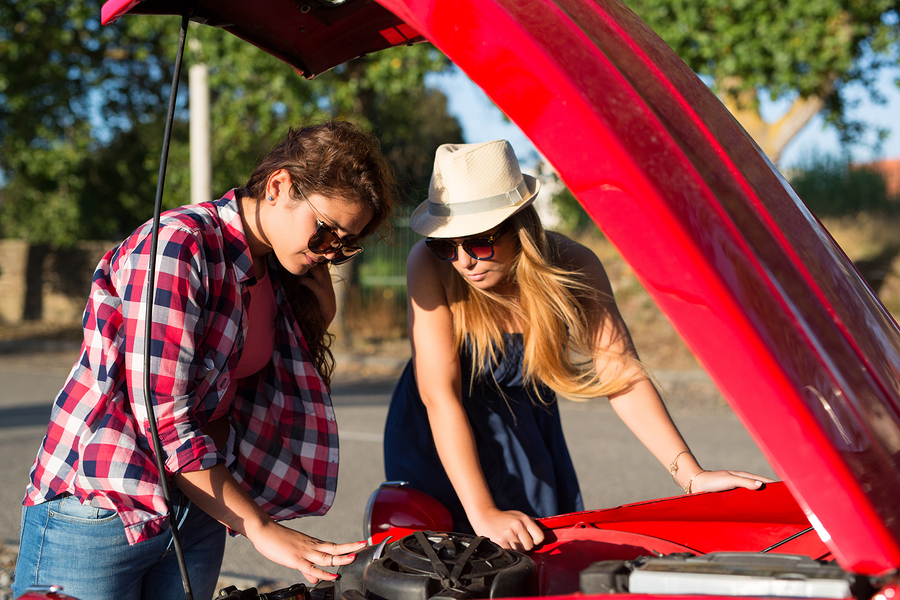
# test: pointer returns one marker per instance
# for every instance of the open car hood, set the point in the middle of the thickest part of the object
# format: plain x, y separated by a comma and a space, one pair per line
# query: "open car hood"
312, 36
795, 340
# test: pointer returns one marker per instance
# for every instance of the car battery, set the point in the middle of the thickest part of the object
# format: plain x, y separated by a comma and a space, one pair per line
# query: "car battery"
721, 574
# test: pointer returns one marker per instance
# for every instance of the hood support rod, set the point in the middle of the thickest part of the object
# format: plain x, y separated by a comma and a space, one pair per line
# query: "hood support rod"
785, 541
149, 299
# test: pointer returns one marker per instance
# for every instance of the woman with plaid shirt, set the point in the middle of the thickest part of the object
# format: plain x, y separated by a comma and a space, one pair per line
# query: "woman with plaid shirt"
239, 373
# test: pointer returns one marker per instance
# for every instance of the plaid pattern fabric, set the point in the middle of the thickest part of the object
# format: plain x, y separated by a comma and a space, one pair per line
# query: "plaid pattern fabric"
284, 431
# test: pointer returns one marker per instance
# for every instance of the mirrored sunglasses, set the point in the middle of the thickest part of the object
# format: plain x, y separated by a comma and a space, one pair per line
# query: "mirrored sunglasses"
479, 248
325, 240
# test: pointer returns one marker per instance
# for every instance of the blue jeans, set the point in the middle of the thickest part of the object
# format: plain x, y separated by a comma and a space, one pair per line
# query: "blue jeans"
84, 550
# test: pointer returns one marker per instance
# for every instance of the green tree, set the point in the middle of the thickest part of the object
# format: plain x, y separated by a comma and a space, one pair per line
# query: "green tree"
82, 110
806, 51
573, 219
61, 74
255, 97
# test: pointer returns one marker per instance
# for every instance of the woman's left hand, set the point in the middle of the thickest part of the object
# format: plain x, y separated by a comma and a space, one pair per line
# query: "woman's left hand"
318, 279
720, 481
296, 550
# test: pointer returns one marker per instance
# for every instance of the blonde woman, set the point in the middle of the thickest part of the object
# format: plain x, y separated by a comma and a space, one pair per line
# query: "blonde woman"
503, 316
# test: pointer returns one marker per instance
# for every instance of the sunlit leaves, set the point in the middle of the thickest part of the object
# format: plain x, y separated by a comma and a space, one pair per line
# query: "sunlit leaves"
780, 47
82, 108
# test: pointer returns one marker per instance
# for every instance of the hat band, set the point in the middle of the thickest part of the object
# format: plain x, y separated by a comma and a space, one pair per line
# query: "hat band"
510, 198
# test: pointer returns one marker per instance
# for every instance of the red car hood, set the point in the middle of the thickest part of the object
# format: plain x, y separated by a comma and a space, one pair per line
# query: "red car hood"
310, 36
794, 338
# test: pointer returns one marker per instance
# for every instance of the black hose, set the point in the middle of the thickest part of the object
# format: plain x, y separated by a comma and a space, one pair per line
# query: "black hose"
149, 299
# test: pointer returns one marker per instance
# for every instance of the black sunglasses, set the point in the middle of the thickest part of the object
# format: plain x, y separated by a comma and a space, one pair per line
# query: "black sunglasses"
325, 240
479, 248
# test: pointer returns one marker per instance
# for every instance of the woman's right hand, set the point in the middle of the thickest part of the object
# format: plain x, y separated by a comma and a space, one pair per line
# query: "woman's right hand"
299, 551
511, 529
216, 492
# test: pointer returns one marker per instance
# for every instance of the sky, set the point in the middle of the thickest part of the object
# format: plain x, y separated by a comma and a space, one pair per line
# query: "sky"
482, 121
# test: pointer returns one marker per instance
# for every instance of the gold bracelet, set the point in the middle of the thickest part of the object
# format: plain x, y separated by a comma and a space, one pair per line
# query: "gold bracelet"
687, 488
673, 466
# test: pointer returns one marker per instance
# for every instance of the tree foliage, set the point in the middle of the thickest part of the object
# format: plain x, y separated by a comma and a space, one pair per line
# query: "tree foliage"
572, 217
61, 74
82, 110
256, 96
808, 51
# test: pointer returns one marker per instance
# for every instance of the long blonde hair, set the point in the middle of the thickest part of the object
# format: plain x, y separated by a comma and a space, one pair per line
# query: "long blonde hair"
560, 315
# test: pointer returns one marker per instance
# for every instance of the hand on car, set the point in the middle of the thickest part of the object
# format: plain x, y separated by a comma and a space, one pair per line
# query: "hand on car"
510, 529
306, 554
720, 481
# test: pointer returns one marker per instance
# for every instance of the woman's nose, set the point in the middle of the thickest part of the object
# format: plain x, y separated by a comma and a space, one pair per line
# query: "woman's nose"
463, 257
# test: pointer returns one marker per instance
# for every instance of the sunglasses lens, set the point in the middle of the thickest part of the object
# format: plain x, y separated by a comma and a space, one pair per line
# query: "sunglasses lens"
480, 249
323, 240
345, 254
442, 249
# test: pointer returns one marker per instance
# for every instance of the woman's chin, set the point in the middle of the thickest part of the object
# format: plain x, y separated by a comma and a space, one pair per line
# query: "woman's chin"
482, 281
298, 265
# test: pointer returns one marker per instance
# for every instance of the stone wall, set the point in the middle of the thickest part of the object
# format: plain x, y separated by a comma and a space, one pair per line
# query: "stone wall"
38, 283
13, 258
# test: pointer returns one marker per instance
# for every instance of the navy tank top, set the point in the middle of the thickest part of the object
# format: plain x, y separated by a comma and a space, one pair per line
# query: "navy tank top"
519, 438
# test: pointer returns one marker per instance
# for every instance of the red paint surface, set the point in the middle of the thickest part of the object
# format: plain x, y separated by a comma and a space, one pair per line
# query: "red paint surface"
736, 521
777, 315
399, 511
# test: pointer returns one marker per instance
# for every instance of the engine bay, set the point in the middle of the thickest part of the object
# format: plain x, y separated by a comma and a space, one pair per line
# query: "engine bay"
428, 565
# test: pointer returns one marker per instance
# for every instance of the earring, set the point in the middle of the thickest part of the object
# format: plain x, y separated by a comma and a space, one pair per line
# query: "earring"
271, 198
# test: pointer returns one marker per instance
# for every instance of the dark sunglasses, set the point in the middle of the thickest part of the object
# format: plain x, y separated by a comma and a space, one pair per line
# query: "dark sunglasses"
479, 248
325, 240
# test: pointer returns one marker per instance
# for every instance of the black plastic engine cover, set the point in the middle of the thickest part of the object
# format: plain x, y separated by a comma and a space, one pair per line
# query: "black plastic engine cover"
427, 565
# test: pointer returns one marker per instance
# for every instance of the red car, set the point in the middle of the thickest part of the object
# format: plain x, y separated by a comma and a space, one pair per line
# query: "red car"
795, 340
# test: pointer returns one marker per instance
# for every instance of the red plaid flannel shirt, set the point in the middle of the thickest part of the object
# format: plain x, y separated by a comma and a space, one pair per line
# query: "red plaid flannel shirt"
284, 431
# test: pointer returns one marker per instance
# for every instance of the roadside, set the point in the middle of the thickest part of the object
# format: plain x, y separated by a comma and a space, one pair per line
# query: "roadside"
33, 337
684, 384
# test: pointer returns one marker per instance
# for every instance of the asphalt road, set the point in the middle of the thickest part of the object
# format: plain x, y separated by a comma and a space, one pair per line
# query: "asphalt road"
613, 467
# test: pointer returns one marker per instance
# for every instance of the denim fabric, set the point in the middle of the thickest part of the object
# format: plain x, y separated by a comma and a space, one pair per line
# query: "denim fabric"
84, 550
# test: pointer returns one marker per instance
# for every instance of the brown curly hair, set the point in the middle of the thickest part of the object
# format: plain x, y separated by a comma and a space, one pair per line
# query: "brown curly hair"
335, 159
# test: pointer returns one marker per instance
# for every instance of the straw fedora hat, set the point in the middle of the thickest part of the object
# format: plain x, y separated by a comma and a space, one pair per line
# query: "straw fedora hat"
474, 187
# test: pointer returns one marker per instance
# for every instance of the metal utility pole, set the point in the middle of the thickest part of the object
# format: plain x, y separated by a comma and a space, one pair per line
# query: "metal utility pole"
201, 163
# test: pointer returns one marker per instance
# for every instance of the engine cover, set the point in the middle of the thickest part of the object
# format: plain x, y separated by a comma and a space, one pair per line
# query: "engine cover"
427, 565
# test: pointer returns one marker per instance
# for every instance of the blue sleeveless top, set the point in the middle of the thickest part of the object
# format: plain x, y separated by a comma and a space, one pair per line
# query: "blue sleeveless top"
519, 439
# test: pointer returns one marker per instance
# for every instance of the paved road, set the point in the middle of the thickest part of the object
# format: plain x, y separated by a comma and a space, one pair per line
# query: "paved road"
613, 467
